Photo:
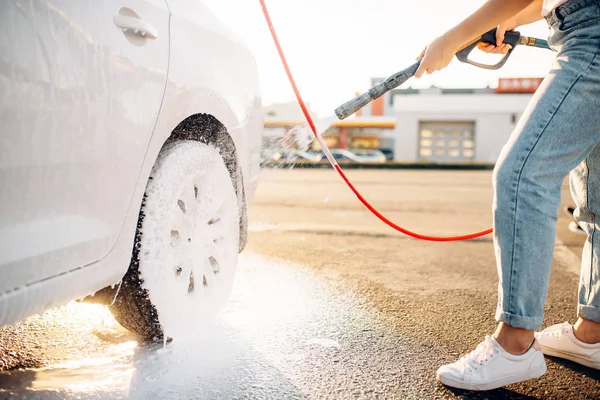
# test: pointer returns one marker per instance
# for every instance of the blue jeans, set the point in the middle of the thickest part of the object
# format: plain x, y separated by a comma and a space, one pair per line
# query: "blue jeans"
558, 133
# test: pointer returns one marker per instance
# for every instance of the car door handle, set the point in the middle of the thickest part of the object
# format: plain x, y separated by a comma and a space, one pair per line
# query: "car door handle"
138, 26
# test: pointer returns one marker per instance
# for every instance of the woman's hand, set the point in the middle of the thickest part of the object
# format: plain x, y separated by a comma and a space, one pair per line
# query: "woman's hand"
437, 55
499, 47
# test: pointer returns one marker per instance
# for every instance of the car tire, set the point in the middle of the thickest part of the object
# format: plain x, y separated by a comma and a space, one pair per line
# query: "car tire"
186, 244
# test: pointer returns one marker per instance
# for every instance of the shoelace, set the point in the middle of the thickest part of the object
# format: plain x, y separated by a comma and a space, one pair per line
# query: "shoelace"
481, 355
564, 329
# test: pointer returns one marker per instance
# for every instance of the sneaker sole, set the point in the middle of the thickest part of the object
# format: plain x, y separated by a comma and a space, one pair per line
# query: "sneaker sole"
498, 383
571, 357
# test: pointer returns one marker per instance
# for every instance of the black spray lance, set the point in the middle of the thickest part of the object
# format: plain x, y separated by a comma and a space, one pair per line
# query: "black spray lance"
512, 38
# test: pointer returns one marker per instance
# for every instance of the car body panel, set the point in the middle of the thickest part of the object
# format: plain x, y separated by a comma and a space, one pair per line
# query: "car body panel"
75, 92
223, 73
210, 72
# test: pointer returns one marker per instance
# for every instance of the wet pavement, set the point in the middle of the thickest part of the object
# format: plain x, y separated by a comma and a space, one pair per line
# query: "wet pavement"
328, 303
286, 333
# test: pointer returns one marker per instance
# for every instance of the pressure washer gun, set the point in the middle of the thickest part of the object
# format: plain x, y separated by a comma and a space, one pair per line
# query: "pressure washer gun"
512, 38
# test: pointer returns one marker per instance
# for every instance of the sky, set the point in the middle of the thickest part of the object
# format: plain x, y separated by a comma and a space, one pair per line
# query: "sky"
334, 47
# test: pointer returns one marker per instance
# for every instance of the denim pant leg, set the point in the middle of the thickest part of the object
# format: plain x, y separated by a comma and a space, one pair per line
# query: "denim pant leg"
585, 189
559, 129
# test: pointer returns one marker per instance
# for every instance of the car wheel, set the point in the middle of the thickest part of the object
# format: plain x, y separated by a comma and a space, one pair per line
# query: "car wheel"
186, 245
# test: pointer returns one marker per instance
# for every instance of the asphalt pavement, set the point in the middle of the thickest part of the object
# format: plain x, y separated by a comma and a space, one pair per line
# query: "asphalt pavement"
328, 303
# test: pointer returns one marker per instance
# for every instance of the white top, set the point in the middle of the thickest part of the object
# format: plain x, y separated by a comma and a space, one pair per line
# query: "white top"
550, 5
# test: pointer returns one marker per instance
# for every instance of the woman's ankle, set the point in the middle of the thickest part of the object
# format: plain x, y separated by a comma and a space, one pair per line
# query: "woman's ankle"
587, 331
514, 340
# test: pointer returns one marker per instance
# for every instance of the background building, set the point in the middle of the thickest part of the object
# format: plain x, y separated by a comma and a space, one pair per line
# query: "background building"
427, 125
451, 125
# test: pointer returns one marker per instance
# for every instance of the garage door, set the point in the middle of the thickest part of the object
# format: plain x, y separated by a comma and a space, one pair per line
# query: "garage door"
446, 141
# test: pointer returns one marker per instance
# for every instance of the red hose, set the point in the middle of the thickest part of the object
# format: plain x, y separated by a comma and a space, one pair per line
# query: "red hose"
337, 167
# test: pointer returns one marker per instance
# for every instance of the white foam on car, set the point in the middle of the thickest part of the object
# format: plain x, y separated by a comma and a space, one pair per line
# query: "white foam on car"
191, 216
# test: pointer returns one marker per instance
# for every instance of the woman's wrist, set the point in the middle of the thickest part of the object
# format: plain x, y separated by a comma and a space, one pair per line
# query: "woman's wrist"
459, 36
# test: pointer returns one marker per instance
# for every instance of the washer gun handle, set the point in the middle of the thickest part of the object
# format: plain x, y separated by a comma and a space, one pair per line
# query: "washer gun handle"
510, 37
513, 38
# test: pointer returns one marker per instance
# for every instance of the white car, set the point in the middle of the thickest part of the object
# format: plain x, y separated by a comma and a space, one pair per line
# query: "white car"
303, 156
129, 147
344, 156
370, 155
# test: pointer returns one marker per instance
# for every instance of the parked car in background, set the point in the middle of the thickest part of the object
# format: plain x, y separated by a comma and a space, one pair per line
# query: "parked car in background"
342, 155
303, 156
370, 155
389, 154
129, 149
268, 156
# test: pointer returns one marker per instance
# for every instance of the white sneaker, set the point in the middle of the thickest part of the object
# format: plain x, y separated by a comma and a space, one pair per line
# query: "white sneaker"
489, 366
560, 341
